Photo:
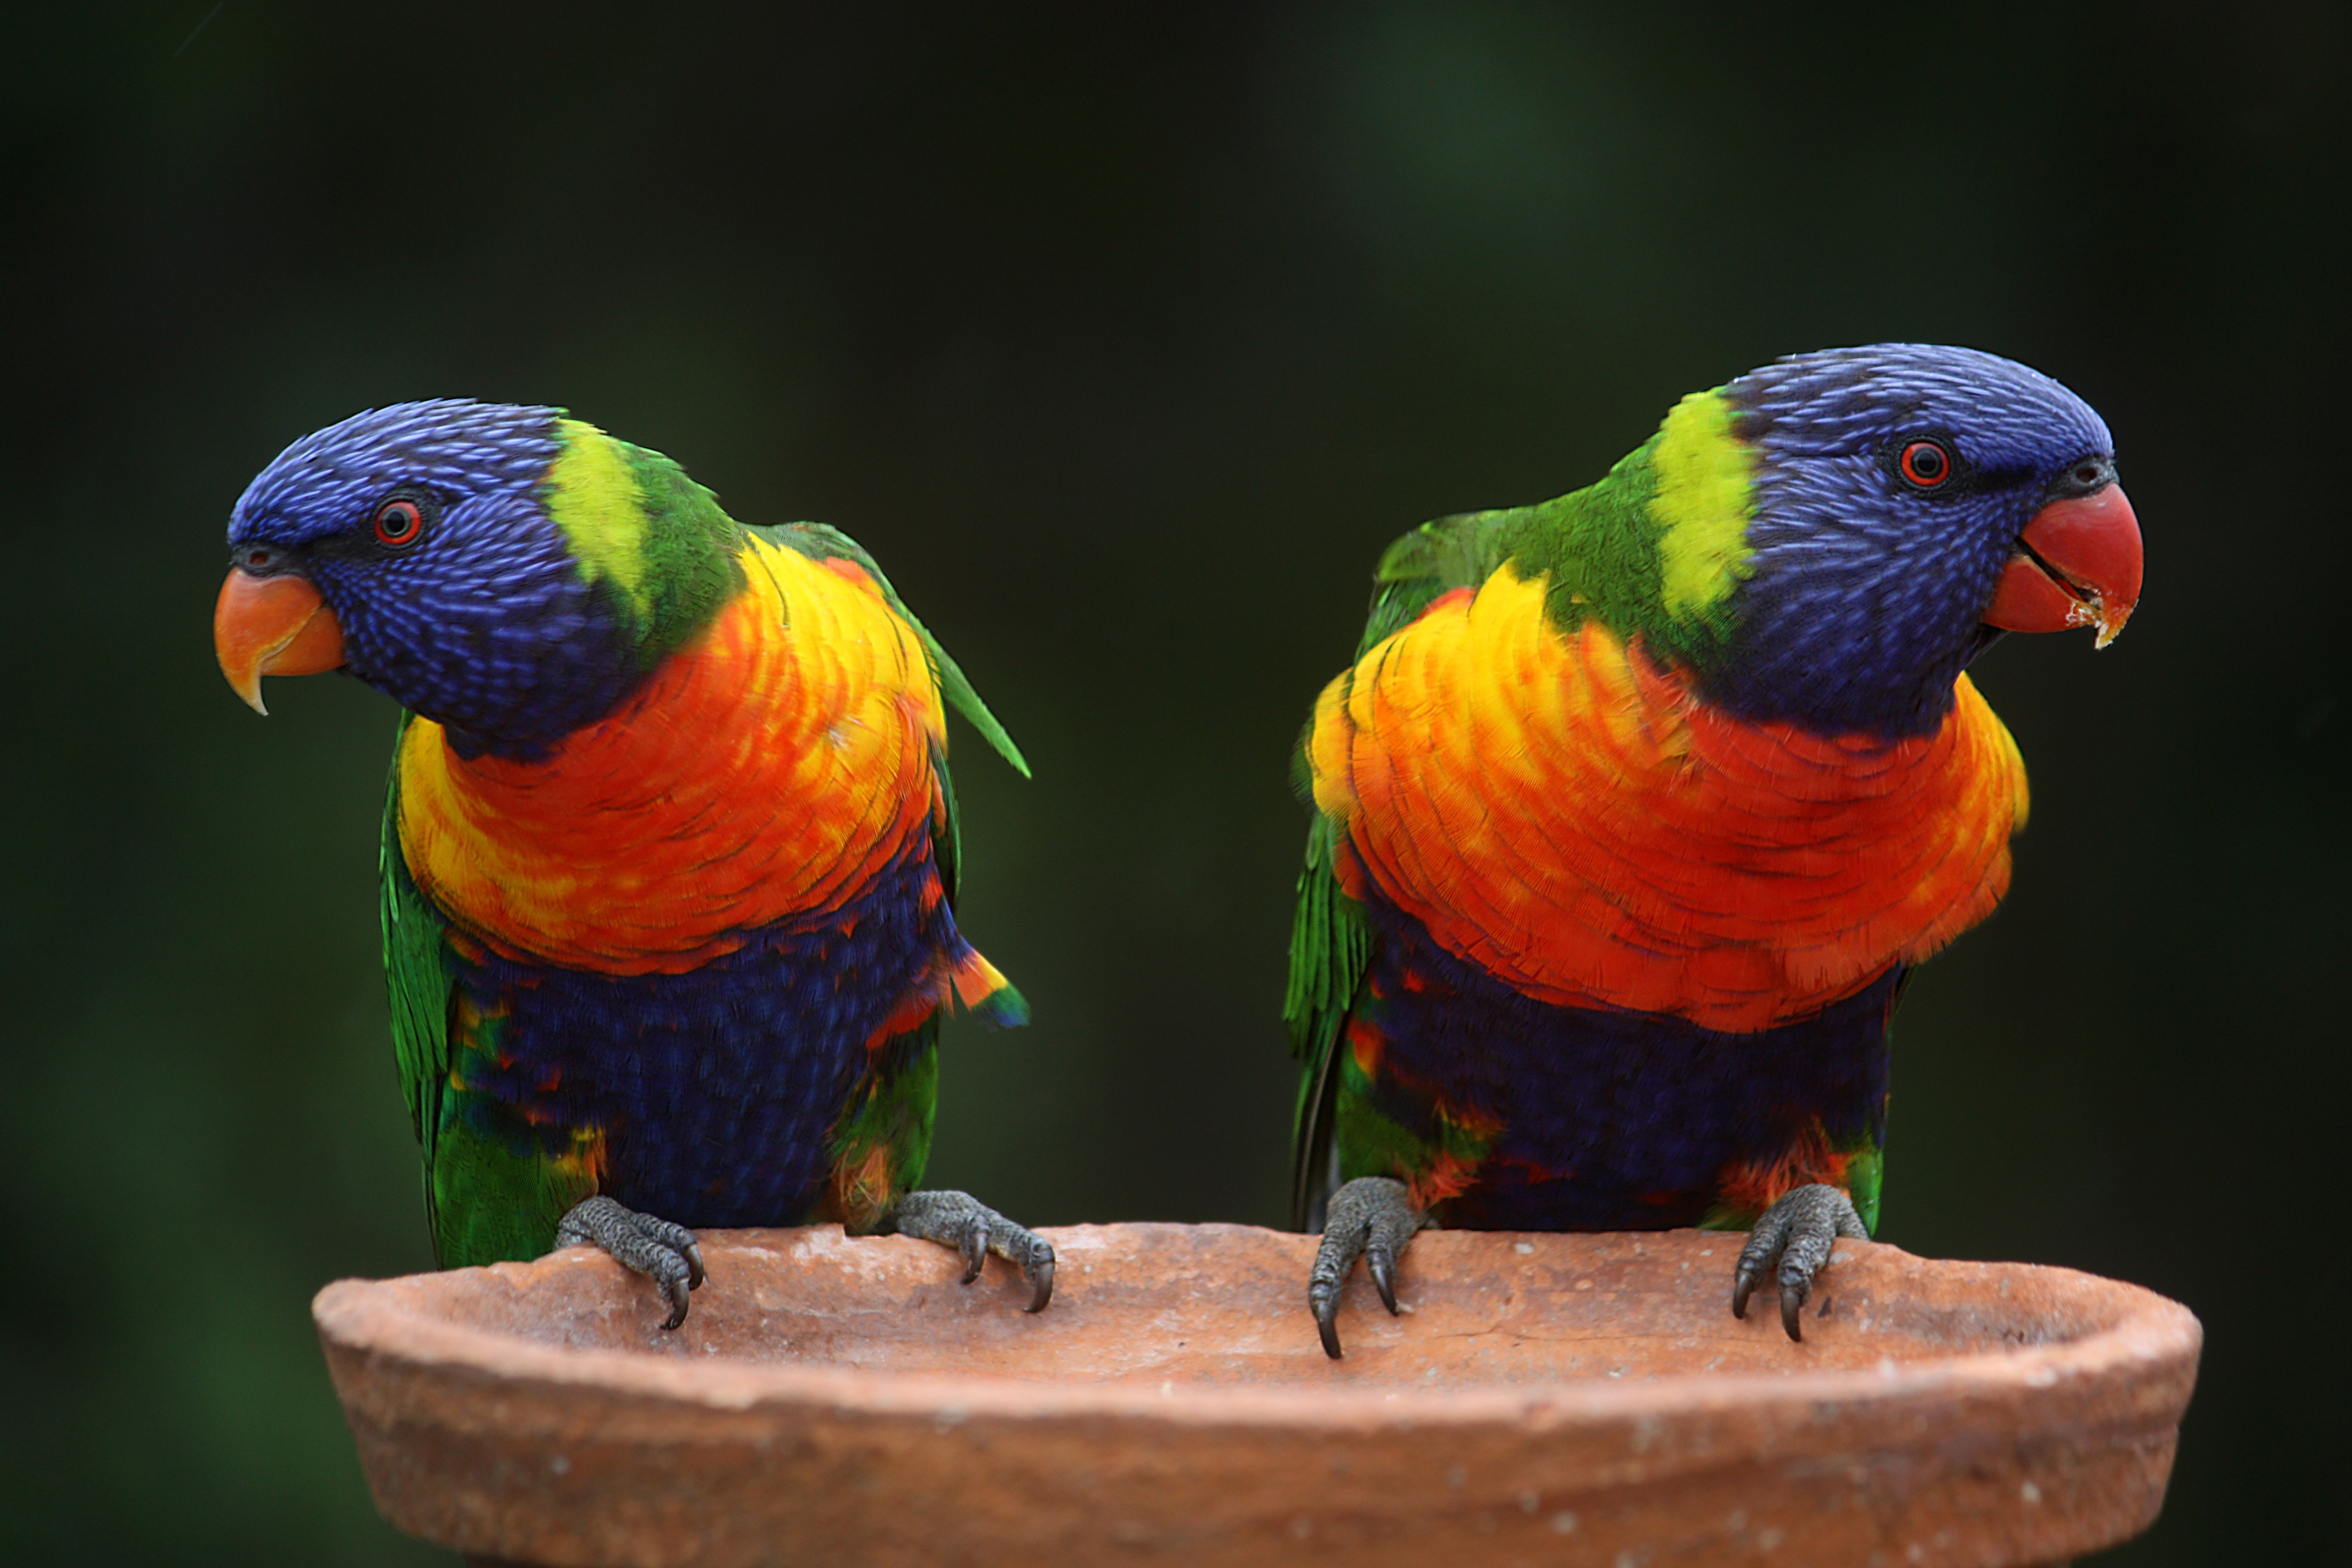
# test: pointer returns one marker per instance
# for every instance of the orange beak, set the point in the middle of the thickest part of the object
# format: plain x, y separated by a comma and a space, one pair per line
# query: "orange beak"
272, 626
2076, 565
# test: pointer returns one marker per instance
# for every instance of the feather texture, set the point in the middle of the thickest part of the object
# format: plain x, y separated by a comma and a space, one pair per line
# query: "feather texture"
1732, 873
768, 770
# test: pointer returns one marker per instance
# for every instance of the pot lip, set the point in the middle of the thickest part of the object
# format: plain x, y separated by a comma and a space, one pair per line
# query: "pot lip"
378, 1318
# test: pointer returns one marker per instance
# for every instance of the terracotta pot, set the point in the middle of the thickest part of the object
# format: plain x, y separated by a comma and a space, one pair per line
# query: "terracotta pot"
1571, 1399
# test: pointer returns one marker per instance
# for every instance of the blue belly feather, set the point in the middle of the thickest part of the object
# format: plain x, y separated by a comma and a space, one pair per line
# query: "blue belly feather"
719, 1090
1610, 1119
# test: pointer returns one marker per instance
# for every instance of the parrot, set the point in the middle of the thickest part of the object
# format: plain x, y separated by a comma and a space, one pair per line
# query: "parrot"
669, 849
1638, 807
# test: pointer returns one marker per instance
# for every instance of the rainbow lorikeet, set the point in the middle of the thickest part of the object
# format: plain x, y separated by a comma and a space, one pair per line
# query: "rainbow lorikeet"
669, 851
1638, 805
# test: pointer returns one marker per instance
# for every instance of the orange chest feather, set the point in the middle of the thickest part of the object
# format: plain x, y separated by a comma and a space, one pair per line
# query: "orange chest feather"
767, 770
1558, 809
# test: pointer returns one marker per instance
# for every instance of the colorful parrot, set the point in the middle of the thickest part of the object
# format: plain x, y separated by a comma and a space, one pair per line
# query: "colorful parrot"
1637, 807
669, 850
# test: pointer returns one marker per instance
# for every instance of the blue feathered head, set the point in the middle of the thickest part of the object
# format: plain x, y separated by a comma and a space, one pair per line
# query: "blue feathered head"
1907, 503
504, 571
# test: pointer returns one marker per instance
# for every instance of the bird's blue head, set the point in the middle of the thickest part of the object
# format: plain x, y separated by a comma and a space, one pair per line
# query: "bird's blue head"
499, 569
1904, 503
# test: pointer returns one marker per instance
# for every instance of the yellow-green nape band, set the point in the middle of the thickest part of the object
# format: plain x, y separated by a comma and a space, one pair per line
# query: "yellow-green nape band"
1701, 505
594, 498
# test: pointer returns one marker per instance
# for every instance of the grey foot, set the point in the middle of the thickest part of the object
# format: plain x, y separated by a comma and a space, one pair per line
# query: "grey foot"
1796, 1233
1371, 1217
971, 1228
662, 1252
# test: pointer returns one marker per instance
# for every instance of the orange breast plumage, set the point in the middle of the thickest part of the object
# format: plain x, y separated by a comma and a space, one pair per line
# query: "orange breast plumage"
767, 770
1560, 809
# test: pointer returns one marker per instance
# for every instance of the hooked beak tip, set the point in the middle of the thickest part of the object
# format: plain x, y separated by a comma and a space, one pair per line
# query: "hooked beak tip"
2077, 564
272, 626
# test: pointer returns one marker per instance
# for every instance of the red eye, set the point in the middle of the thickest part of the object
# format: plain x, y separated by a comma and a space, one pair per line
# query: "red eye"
1925, 464
398, 521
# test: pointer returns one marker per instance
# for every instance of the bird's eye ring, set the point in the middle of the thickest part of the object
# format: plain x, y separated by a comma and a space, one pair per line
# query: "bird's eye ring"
399, 521
1925, 464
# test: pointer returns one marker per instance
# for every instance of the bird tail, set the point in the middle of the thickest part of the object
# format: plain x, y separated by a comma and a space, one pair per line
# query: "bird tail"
980, 986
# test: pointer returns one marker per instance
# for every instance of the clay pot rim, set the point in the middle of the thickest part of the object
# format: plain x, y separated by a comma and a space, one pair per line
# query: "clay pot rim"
376, 1317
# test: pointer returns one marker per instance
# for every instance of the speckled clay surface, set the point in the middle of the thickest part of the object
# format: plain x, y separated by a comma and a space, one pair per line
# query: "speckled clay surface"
1548, 1399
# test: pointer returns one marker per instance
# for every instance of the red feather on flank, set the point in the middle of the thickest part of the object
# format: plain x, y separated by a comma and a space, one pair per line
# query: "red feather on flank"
921, 1000
1753, 1187
1447, 1175
1560, 810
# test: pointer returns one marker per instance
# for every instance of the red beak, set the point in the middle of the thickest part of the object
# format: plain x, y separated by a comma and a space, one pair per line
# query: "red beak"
2076, 565
272, 626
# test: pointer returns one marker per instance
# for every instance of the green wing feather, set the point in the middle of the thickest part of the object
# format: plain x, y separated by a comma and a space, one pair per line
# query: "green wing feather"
1330, 941
1457, 552
416, 974
821, 542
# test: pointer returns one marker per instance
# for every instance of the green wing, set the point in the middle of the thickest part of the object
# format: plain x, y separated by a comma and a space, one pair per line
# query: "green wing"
820, 543
1330, 941
416, 975
1457, 552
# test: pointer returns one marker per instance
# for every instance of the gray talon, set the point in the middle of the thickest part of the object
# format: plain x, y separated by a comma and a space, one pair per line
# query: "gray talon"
1371, 1217
1791, 1241
962, 1222
663, 1252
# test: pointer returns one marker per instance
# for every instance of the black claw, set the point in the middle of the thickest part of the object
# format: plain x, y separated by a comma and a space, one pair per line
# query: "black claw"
974, 1248
1332, 1260
1326, 1320
1040, 1272
1793, 1305
1382, 1267
1743, 1285
1341, 1242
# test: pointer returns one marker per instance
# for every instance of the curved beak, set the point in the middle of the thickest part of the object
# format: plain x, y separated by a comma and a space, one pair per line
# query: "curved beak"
2076, 565
272, 626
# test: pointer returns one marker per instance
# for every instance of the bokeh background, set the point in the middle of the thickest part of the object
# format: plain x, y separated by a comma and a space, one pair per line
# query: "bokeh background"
1126, 337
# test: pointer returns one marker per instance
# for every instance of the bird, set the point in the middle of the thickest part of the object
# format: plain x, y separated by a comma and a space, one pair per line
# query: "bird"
1637, 809
669, 849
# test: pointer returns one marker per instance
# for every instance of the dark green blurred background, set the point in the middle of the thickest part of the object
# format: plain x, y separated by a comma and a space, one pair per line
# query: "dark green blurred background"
1126, 339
